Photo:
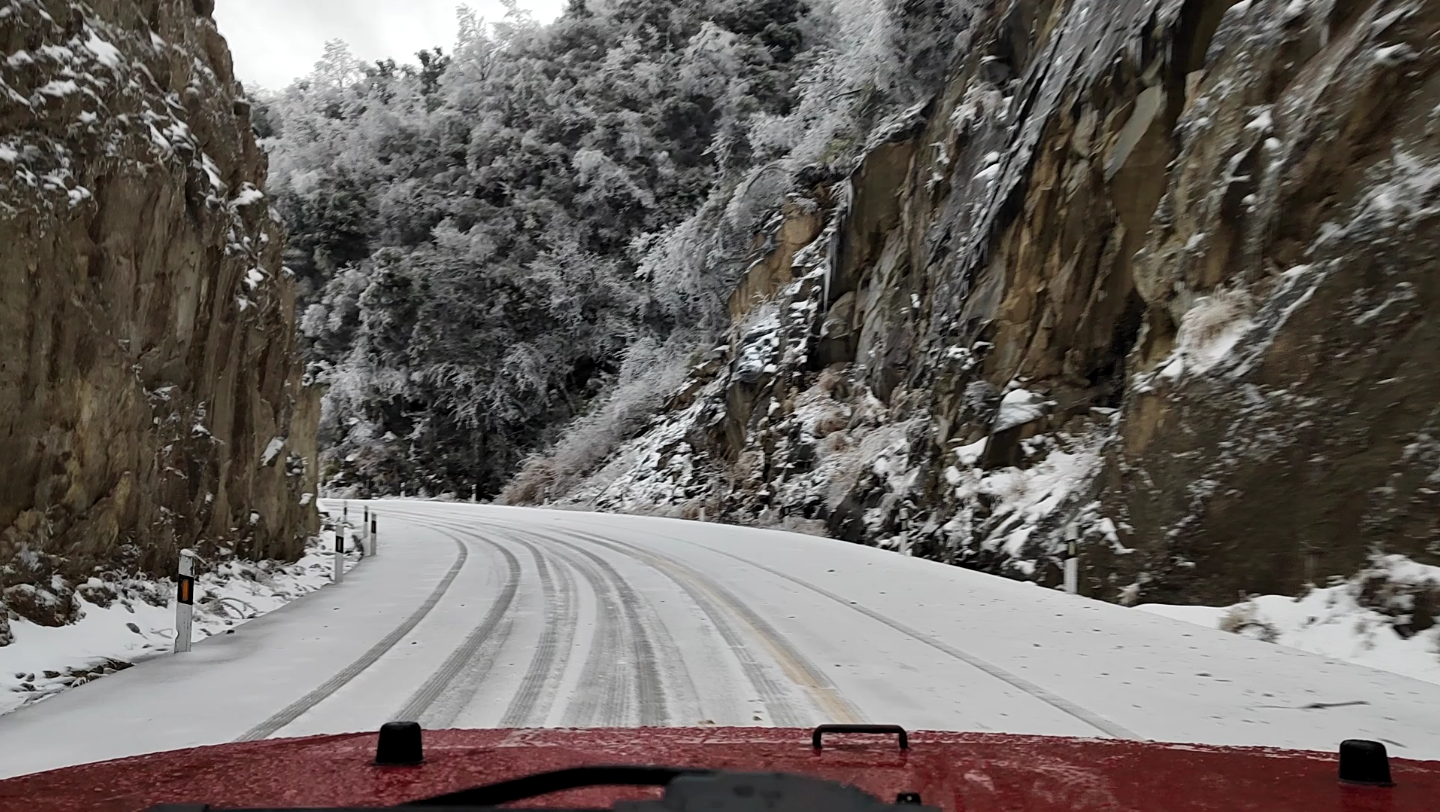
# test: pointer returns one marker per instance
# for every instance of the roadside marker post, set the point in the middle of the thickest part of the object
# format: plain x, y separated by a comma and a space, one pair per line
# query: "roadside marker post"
374, 537
1072, 560
340, 554
184, 601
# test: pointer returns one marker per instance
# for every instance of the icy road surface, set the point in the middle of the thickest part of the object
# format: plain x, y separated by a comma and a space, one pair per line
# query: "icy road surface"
480, 616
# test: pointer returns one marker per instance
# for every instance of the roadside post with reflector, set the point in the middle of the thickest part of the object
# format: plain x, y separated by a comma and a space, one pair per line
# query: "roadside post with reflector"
1072, 560
364, 543
374, 536
340, 534
184, 601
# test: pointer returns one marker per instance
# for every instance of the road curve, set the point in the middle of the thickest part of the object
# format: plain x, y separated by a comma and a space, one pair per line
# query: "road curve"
479, 616
777, 629
633, 673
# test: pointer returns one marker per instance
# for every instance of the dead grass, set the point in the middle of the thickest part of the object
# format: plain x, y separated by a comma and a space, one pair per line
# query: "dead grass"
1212, 316
1243, 618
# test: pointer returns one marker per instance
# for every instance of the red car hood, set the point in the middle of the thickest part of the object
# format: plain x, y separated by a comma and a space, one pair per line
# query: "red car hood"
958, 772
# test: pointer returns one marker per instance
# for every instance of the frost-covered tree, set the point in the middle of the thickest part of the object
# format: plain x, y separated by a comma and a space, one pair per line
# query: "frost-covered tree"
484, 233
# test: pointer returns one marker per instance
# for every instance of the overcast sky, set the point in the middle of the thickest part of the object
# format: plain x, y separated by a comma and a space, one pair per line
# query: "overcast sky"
275, 41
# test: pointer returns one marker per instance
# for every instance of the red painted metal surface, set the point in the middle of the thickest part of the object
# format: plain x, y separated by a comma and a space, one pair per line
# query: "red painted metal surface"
959, 772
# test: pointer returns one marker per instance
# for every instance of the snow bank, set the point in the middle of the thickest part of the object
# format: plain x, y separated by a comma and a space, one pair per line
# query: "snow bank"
122, 623
1368, 620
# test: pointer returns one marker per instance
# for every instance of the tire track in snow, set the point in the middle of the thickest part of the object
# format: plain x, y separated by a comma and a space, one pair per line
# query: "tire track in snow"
1014, 680
552, 650
644, 640
773, 696
468, 656
606, 694
719, 606
716, 602
552, 655
604, 690
293, 711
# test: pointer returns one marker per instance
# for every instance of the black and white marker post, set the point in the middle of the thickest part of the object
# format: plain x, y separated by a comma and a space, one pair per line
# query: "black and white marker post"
340, 534
184, 601
1072, 559
374, 536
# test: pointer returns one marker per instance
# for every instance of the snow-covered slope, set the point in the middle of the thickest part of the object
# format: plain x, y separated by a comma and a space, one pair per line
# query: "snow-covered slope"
122, 622
479, 616
1381, 618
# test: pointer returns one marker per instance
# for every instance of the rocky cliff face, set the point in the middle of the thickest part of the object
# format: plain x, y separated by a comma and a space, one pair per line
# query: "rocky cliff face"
149, 393
1159, 275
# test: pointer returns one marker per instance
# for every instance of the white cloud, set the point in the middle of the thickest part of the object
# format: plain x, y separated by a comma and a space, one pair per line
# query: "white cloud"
276, 41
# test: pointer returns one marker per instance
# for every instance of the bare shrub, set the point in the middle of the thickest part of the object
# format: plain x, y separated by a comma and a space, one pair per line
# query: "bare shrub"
1244, 618
650, 373
532, 485
1212, 326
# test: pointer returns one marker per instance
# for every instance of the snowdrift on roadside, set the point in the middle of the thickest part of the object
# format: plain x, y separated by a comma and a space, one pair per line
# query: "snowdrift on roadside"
138, 622
1382, 618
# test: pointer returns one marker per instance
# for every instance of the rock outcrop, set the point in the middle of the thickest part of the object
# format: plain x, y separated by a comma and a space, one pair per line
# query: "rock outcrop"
150, 396
1157, 275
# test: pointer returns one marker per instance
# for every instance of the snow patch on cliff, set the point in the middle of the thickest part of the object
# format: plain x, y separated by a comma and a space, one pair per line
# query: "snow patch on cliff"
1009, 510
1018, 407
1209, 333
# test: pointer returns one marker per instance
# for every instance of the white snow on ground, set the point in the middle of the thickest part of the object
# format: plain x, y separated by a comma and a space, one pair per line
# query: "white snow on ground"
1334, 622
898, 639
43, 660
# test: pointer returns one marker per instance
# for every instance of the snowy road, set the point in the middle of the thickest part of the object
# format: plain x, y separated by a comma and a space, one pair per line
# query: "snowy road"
481, 617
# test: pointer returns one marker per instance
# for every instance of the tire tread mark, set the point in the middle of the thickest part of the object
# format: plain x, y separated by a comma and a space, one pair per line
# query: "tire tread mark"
293, 711
538, 675
438, 682
654, 710
601, 687
556, 639
828, 699
564, 646
1059, 703
772, 696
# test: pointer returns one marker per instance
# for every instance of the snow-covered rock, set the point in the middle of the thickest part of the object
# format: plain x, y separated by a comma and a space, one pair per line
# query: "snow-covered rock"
1382, 617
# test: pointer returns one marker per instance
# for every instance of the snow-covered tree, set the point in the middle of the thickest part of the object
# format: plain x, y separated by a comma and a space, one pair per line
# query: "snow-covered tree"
485, 233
